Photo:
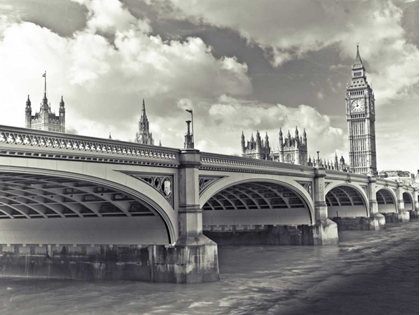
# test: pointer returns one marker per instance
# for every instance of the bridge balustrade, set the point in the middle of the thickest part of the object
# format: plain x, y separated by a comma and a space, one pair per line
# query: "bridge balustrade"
46, 144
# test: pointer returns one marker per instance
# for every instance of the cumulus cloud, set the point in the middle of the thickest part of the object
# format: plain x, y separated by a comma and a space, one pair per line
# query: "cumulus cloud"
103, 80
377, 25
105, 69
231, 116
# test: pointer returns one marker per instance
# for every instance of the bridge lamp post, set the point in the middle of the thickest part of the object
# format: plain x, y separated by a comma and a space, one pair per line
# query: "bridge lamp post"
192, 125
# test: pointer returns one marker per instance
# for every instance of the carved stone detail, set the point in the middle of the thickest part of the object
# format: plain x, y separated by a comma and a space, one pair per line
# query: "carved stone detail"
307, 186
365, 189
326, 184
162, 183
207, 181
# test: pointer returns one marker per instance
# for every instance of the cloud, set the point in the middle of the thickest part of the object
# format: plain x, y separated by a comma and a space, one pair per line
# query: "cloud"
377, 25
105, 69
103, 80
232, 116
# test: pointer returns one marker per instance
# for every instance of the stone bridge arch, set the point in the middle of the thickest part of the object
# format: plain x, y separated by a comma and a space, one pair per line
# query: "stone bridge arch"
408, 201
387, 200
256, 200
142, 217
346, 200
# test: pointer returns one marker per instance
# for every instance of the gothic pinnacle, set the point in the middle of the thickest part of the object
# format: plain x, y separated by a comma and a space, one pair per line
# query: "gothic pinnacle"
358, 62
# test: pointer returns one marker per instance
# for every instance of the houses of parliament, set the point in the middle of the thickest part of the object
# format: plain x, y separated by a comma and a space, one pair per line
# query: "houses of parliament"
360, 113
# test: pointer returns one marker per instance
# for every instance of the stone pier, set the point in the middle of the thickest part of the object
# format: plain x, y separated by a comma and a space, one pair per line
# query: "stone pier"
193, 258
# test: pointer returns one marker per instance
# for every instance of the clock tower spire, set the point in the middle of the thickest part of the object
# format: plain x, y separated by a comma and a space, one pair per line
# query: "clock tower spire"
360, 110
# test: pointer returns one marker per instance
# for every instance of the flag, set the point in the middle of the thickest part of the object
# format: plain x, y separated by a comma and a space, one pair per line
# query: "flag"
189, 110
44, 75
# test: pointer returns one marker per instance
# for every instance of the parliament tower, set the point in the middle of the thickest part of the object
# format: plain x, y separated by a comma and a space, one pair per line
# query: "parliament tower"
45, 119
360, 110
143, 136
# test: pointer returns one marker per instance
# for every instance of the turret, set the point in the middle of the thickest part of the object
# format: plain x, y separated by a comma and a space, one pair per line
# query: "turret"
28, 113
296, 134
342, 163
258, 141
243, 142
304, 137
144, 136
336, 162
281, 139
267, 144
44, 104
62, 115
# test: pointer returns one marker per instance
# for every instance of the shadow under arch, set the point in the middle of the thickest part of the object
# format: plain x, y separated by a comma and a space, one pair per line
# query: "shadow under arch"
346, 200
158, 205
387, 200
224, 184
408, 200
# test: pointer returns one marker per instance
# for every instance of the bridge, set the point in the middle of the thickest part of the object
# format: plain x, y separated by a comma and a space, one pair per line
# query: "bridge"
88, 208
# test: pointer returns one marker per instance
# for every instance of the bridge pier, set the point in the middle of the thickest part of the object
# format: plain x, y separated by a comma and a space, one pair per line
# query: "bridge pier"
415, 212
403, 215
324, 231
193, 258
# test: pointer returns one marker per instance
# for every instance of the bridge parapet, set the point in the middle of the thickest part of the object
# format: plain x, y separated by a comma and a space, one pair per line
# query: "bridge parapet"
228, 162
46, 144
346, 177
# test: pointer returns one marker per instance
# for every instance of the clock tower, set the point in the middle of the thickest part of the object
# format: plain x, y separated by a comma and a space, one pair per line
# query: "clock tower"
360, 110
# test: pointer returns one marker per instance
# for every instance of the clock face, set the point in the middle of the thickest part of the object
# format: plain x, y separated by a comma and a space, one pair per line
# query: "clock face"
358, 105
372, 107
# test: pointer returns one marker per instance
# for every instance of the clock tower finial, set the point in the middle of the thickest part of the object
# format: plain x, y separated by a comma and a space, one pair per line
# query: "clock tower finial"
358, 63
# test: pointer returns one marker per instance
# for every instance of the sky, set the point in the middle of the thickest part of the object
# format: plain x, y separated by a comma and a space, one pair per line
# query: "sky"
240, 65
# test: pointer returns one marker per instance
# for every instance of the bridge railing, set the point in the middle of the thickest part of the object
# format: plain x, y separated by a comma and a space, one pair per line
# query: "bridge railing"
346, 176
31, 142
226, 161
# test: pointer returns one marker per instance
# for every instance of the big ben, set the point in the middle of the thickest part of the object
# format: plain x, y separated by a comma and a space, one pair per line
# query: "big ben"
360, 109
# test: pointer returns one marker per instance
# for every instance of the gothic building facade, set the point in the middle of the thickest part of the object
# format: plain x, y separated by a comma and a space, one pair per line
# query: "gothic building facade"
45, 119
291, 149
256, 148
144, 136
360, 110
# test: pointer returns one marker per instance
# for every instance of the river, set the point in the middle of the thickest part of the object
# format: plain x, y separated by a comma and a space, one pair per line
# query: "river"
370, 272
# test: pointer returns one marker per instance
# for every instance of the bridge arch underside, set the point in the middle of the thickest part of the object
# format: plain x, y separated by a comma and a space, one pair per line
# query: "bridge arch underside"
41, 209
408, 202
345, 202
256, 203
386, 201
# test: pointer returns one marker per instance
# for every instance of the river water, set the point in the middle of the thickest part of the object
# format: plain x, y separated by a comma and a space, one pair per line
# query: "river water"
370, 272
